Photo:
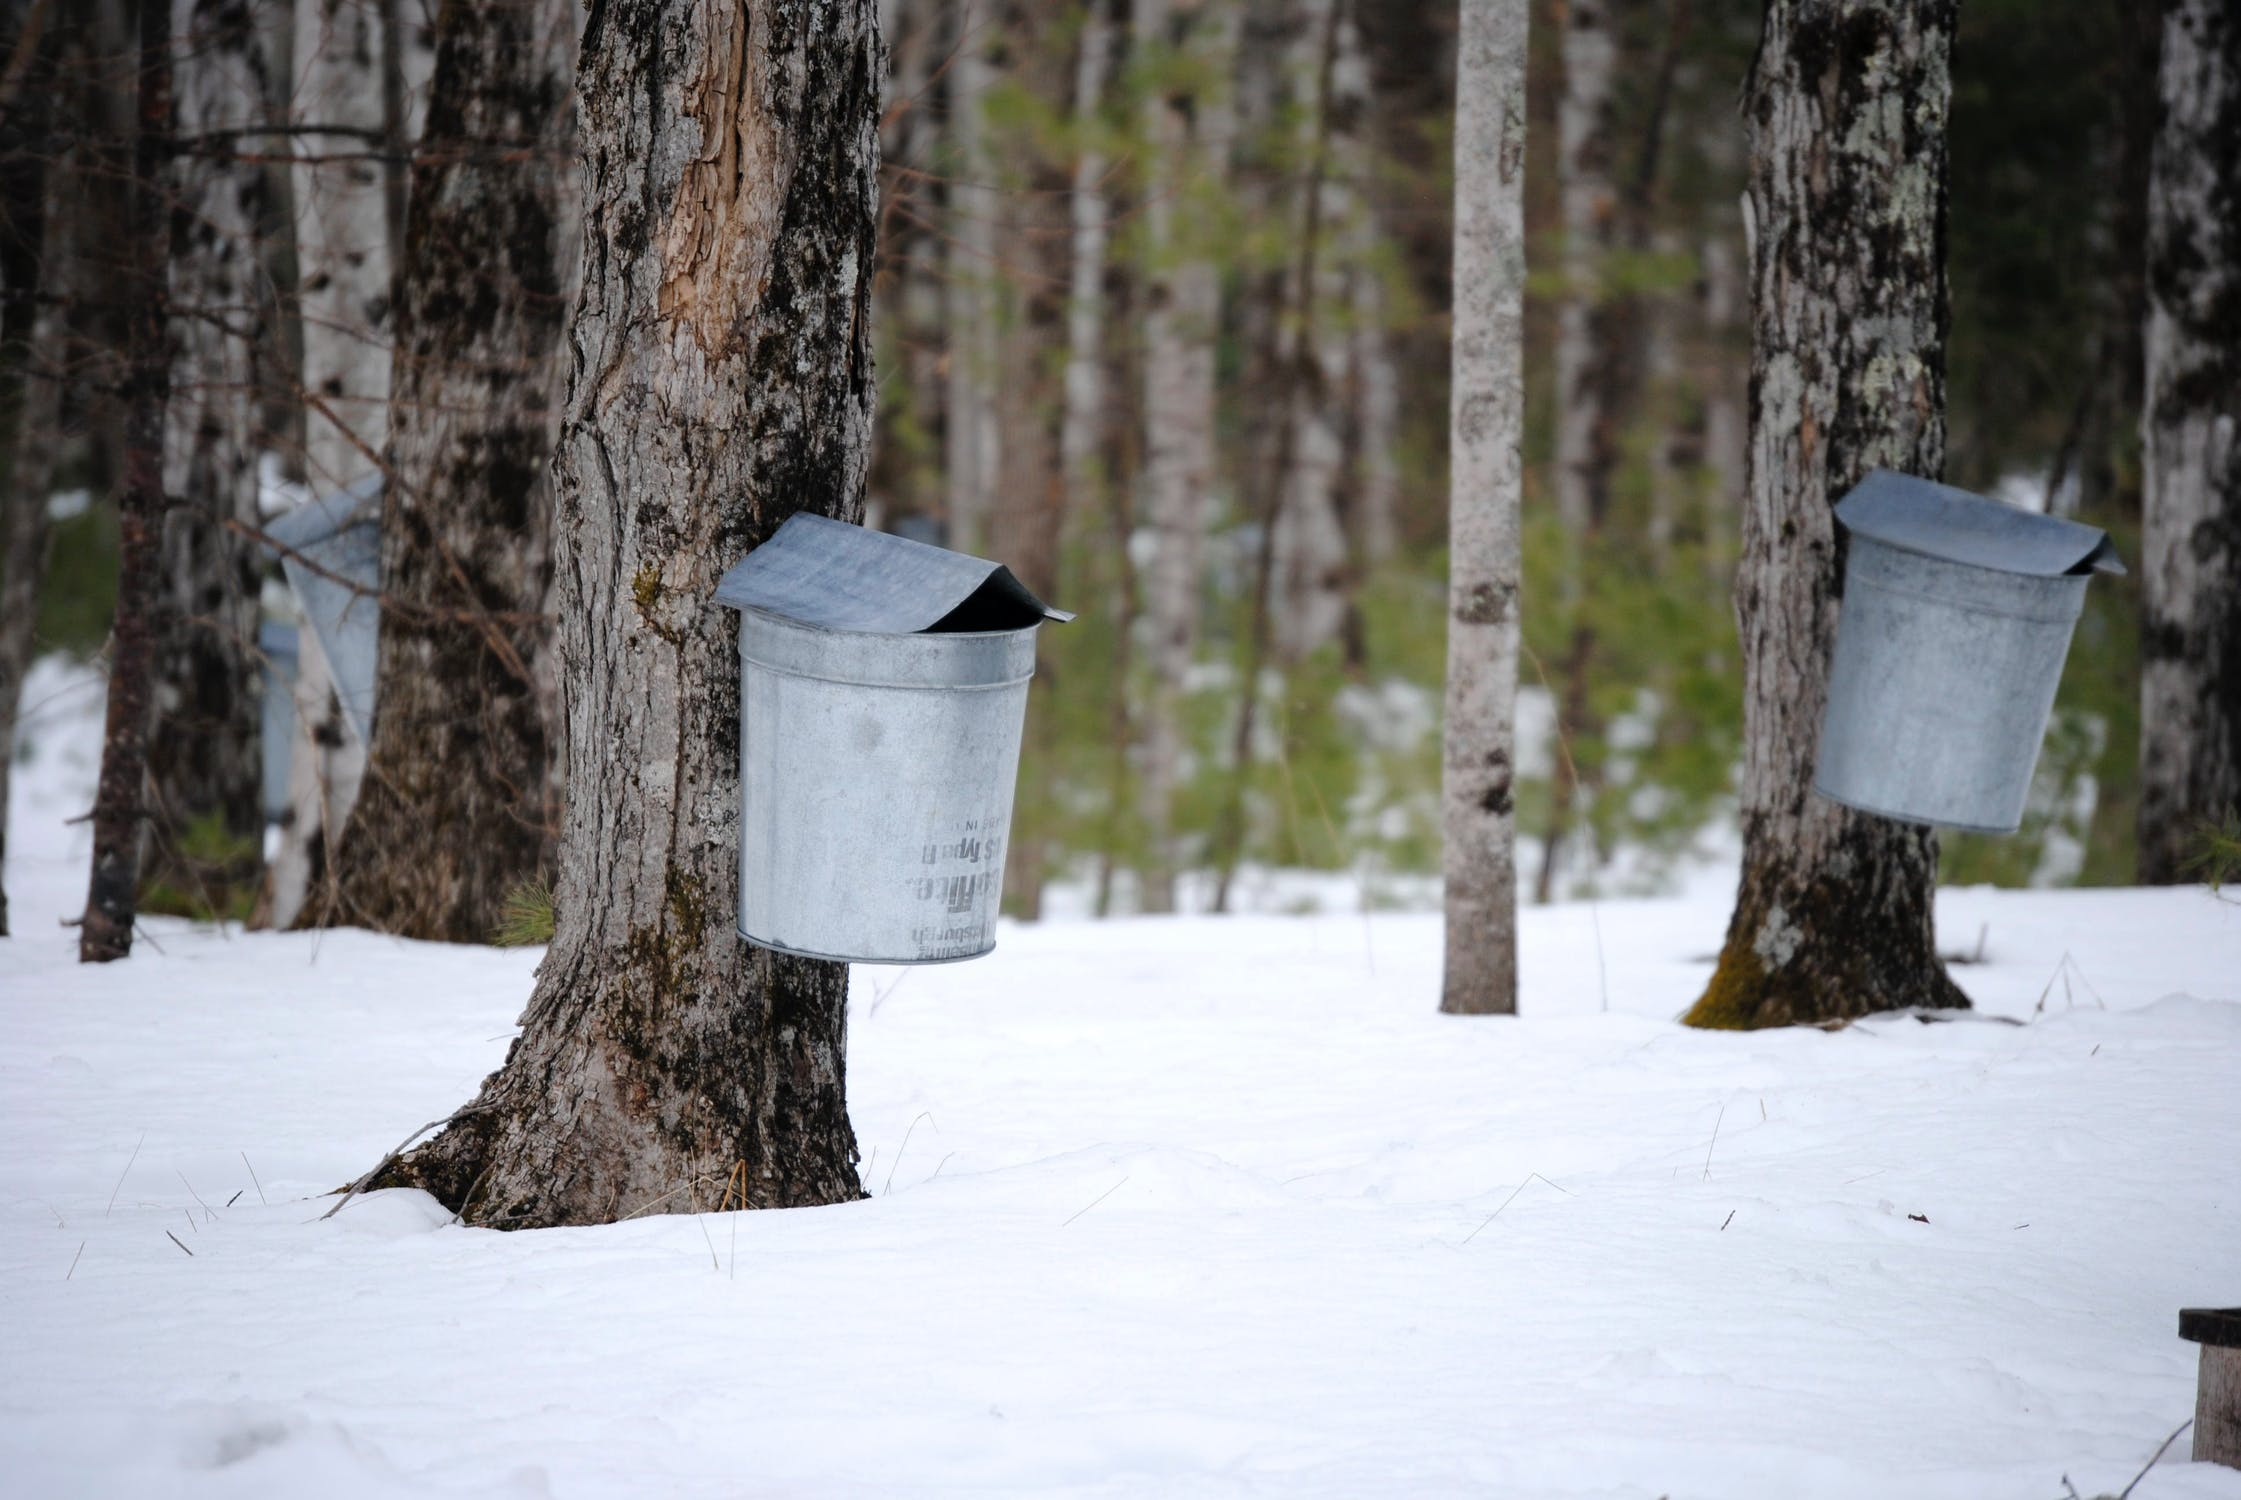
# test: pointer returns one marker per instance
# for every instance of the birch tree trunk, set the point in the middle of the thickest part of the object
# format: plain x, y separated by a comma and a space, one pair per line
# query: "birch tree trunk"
1187, 128
120, 797
348, 106
2190, 645
971, 445
720, 381
460, 800
1846, 112
1081, 431
1584, 132
1485, 484
205, 849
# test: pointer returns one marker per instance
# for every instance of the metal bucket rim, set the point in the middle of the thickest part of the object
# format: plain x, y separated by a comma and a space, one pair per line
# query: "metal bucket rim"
791, 623
838, 958
1910, 817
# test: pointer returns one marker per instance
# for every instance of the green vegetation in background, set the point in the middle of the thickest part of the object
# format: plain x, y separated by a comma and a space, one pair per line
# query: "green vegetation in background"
79, 594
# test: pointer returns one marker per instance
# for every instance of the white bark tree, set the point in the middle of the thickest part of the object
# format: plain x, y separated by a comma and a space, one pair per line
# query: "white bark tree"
458, 807
1187, 128
721, 380
1485, 484
1081, 432
1846, 111
972, 443
205, 758
360, 88
2190, 686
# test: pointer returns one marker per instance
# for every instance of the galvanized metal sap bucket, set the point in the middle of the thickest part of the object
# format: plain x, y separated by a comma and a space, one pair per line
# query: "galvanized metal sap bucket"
330, 550
1957, 616
883, 690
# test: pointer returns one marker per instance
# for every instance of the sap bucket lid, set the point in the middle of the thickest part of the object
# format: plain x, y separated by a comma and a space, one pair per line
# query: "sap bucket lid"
831, 575
330, 550
1937, 520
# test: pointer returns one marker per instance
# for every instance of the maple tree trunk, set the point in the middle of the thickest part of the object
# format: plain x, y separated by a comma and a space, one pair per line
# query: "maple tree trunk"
2190, 641
1845, 217
721, 381
459, 802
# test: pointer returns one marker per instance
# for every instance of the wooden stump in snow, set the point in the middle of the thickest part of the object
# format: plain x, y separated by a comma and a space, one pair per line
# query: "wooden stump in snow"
2217, 1395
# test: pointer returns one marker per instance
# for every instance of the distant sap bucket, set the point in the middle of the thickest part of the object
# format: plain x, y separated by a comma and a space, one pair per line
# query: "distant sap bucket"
330, 552
883, 693
1956, 619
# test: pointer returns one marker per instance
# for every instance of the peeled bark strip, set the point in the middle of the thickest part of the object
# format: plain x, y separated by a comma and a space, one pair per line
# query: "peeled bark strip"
459, 804
721, 381
2190, 643
205, 849
1187, 126
119, 806
1846, 113
1486, 481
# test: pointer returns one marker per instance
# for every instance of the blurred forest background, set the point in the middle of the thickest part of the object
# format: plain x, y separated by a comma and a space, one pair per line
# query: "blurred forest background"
1161, 322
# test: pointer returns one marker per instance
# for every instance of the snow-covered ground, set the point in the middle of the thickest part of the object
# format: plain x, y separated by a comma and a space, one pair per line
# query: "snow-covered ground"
1185, 1207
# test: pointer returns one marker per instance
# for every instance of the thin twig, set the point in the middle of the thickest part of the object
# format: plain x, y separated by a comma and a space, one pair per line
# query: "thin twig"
127, 1172
1100, 1198
1512, 1198
253, 1178
1714, 1141
924, 1114
190, 1187
74, 1262
378, 1167
2126, 1492
167, 1234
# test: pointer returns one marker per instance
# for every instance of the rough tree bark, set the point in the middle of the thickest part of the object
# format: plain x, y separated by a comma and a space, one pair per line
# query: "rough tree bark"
720, 381
1486, 481
1187, 130
2190, 640
119, 801
205, 757
459, 802
1845, 111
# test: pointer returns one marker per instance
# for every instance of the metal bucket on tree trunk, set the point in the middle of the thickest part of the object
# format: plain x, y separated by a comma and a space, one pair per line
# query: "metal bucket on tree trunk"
883, 693
330, 552
1956, 619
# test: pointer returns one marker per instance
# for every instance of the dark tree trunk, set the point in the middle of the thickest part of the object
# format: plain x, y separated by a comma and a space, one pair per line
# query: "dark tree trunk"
119, 801
721, 381
460, 799
2190, 641
1846, 113
205, 844
35, 255
1027, 509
